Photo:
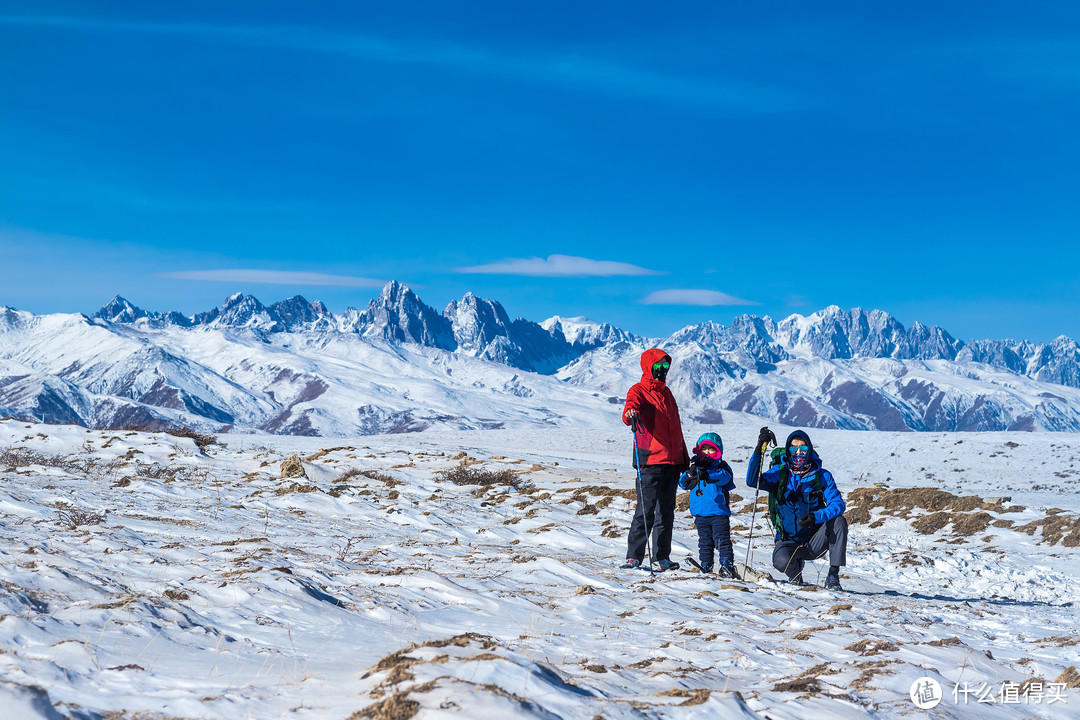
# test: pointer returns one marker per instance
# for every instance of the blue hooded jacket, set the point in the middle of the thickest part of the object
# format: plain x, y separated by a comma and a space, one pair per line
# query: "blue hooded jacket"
798, 496
709, 497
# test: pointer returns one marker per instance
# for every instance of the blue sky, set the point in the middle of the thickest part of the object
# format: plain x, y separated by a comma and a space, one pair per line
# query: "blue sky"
645, 164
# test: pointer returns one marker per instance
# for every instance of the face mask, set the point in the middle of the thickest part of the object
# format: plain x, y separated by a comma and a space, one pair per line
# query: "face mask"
799, 457
660, 370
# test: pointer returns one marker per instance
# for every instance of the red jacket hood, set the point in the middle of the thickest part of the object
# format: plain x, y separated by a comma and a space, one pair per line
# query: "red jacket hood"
653, 355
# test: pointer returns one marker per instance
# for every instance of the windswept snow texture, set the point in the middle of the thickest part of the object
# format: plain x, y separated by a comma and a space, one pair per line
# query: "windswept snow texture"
399, 365
142, 577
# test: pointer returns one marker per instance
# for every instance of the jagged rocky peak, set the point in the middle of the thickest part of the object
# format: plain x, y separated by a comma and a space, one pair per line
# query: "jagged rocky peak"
827, 333
296, 313
834, 333
476, 322
705, 333
1002, 354
928, 343
398, 314
483, 329
238, 310
11, 319
585, 332
119, 310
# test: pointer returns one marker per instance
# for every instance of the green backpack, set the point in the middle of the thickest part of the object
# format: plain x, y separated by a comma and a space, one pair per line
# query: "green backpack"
775, 499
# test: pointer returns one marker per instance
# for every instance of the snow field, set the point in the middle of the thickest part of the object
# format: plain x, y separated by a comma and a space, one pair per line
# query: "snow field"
214, 588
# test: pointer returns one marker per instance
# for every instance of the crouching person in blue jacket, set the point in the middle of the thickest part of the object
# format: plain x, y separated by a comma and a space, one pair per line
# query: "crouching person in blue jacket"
805, 508
709, 481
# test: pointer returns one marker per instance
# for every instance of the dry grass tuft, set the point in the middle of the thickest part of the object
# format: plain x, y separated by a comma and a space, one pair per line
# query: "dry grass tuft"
869, 669
293, 467
809, 632
945, 642
1070, 677
901, 501
693, 697
804, 685
386, 479
295, 488
466, 475
396, 707
72, 517
1057, 529
870, 646
202, 440
968, 514
604, 491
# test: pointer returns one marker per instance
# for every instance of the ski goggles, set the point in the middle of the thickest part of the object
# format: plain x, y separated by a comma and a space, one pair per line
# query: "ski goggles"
662, 365
799, 450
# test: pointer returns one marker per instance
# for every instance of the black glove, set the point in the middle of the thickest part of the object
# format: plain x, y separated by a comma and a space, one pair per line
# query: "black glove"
702, 473
807, 520
765, 436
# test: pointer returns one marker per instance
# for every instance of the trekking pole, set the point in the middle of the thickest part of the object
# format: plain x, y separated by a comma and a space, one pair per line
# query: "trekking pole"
640, 500
753, 515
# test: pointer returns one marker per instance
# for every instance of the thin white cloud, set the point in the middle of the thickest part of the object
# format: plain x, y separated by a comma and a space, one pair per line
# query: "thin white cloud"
274, 277
592, 74
558, 266
693, 297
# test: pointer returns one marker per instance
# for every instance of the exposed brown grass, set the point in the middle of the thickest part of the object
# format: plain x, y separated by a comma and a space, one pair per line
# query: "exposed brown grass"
604, 491
396, 707
968, 514
466, 475
1057, 529
945, 642
804, 685
870, 669
1070, 677
693, 697
202, 440
295, 488
72, 517
870, 646
901, 501
326, 451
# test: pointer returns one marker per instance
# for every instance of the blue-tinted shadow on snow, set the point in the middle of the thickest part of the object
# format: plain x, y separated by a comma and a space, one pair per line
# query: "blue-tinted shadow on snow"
319, 594
1007, 602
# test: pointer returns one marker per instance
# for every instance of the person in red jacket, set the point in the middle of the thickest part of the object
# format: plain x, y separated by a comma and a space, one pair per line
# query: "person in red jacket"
659, 455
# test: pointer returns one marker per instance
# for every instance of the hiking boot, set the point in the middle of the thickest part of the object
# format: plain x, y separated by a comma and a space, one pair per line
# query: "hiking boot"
797, 581
667, 564
832, 582
706, 567
728, 570
631, 564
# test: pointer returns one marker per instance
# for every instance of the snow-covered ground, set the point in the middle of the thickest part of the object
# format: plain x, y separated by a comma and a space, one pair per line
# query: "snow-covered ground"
210, 587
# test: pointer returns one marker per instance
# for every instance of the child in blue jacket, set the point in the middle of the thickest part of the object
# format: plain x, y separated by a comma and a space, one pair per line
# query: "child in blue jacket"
709, 481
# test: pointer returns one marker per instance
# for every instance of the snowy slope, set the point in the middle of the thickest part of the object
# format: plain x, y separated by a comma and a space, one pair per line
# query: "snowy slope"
213, 588
305, 382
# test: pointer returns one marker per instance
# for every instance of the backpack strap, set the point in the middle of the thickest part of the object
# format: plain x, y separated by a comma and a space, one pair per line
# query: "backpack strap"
818, 492
776, 499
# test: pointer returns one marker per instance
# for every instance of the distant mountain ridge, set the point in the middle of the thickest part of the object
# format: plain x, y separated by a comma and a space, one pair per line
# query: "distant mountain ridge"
398, 364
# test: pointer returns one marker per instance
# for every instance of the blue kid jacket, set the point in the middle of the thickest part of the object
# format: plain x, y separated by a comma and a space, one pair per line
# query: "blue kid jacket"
798, 497
709, 498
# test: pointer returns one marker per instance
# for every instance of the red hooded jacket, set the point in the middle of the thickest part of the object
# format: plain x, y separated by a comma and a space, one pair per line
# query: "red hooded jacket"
659, 435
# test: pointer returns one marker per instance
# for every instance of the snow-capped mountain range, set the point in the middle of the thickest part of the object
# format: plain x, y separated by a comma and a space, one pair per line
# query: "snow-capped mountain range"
399, 365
